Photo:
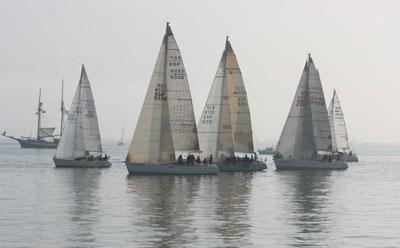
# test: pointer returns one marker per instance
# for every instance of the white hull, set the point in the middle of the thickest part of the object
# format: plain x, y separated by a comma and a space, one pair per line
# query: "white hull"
307, 164
172, 168
242, 166
81, 163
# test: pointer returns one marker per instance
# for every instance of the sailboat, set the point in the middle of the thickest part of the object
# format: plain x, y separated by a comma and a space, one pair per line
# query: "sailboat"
45, 137
80, 143
340, 139
305, 141
225, 124
166, 122
121, 141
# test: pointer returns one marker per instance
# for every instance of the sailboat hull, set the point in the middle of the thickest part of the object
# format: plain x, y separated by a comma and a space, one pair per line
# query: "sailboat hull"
350, 158
307, 164
65, 163
244, 166
171, 169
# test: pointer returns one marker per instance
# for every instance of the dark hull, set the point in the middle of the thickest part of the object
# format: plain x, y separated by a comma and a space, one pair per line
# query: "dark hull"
65, 163
41, 144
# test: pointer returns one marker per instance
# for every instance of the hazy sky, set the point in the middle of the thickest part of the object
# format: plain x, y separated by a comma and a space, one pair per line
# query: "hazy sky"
355, 45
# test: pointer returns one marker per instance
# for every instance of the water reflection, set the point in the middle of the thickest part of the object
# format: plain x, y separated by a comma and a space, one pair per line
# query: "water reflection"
232, 206
162, 206
308, 207
84, 211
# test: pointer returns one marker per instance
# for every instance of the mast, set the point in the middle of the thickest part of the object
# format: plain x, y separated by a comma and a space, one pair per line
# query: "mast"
164, 81
62, 108
39, 114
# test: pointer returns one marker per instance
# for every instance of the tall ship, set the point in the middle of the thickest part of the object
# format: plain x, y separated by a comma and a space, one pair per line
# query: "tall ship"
45, 137
340, 139
225, 124
80, 143
305, 141
166, 123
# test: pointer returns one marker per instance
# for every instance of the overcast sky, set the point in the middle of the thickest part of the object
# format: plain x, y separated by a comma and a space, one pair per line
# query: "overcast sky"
355, 44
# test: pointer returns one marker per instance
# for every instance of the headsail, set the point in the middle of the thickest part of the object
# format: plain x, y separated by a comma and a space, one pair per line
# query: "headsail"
81, 130
340, 140
306, 130
152, 140
215, 128
183, 123
238, 104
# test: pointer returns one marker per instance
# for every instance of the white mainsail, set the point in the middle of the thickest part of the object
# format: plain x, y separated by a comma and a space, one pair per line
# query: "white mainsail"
181, 114
45, 132
238, 104
340, 140
152, 141
307, 129
215, 126
81, 129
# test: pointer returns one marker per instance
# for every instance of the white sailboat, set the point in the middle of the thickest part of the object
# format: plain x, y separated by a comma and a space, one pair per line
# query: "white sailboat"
225, 124
121, 141
340, 139
80, 143
166, 122
305, 142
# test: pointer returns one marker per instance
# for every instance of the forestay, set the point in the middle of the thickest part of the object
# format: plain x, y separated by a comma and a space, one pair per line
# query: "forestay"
340, 140
81, 129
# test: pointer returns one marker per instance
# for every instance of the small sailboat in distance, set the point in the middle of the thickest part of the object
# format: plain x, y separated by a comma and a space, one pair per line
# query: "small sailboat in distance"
121, 141
225, 124
80, 143
164, 123
340, 139
305, 141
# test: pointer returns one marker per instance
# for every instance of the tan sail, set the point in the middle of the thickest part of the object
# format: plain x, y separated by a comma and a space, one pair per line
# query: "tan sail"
152, 140
183, 123
238, 104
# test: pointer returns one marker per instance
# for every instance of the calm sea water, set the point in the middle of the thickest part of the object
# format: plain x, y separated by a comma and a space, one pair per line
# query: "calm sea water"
41, 206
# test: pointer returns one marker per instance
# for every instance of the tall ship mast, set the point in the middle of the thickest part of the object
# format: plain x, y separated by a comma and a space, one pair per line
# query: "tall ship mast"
45, 137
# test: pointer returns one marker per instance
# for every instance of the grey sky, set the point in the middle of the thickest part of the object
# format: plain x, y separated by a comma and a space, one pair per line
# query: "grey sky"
355, 45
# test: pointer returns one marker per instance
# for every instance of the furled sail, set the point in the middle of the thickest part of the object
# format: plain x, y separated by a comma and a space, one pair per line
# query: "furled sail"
45, 132
81, 129
238, 104
306, 130
152, 140
181, 114
340, 140
215, 128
